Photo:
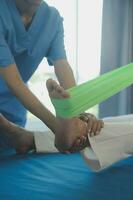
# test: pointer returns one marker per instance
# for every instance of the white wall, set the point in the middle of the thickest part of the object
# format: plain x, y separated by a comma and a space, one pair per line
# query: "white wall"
89, 38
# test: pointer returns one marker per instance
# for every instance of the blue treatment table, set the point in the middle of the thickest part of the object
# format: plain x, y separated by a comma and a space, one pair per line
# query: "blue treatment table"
62, 177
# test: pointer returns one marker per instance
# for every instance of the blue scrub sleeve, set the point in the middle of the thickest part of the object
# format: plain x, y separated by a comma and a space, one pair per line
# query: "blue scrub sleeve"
6, 57
57, 48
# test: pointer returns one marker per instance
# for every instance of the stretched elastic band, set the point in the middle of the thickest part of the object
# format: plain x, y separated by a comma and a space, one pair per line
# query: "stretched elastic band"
90, 93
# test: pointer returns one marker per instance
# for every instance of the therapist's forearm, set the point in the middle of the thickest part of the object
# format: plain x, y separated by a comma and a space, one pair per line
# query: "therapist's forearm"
64, 74
13, 79
31, 103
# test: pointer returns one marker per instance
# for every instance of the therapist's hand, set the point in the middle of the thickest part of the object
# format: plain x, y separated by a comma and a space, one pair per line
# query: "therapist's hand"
72, 134
94, 125
93, 128
68, 132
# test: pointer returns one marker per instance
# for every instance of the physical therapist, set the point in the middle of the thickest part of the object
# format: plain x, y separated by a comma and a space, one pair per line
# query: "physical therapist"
29, 31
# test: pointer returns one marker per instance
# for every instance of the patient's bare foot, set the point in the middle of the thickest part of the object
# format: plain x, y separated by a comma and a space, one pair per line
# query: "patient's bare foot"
69, 131
15, 136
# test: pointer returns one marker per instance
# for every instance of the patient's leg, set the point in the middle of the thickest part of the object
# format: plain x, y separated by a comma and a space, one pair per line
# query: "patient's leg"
70, 130
15, 136
121, 118
113, 144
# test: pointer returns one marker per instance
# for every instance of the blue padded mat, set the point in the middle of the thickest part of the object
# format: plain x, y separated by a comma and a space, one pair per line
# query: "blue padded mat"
62, 177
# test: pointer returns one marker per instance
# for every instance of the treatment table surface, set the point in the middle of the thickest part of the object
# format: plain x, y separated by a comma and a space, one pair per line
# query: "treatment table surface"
62, 177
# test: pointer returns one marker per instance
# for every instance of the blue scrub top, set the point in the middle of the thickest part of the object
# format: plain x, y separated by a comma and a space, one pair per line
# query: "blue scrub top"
26, 48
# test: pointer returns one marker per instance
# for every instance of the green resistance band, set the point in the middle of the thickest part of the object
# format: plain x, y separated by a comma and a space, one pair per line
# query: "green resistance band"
93, 92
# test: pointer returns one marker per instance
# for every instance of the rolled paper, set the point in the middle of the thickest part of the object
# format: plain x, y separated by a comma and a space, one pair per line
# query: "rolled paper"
93, 92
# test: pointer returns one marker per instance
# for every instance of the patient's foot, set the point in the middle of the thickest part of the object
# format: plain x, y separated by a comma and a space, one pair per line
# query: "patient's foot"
69, 131
15, 136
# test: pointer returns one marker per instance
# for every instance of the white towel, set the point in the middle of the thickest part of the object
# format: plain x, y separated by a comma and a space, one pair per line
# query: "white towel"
44, 142
114, 143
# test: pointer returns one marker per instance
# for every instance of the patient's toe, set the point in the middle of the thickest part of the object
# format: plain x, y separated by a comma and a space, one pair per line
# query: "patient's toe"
55, 90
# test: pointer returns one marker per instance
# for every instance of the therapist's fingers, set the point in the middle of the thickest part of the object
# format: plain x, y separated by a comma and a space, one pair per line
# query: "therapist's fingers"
102, 123
91, 126
73, 149
91, 121
95, 126
94, 129
98, 128
86, 116
79, 144
82, 141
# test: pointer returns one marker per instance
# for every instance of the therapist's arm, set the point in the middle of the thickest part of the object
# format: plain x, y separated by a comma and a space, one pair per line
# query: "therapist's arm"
13, 80
64, 74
